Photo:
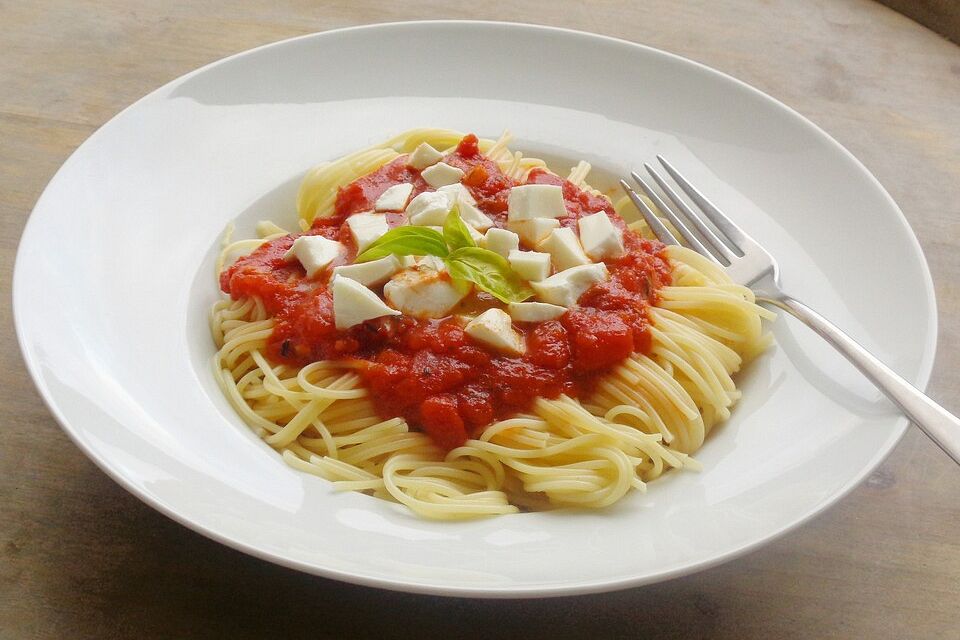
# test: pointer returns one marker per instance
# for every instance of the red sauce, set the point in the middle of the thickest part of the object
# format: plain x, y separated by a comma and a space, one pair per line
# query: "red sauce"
429, 371
361, 194
482, 176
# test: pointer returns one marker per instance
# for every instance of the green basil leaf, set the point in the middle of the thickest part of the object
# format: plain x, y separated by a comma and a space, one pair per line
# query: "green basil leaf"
406, 241
455, 232
490, 272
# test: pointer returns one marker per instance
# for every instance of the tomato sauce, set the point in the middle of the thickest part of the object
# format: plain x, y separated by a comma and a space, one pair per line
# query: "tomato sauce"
361, 194
430, 371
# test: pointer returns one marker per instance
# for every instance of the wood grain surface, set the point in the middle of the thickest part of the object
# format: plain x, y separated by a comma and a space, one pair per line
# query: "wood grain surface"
81, 558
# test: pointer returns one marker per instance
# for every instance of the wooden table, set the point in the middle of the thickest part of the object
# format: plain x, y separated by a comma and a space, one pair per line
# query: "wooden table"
80, 557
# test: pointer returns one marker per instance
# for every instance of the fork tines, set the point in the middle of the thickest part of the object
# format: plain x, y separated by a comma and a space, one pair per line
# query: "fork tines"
723, 251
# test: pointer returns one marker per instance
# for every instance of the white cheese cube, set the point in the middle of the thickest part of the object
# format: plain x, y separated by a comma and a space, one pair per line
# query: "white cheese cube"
473, 217
566, 287
599, 237
430, 263
432, 219
500, 241
313, 252
476, 235
428, 208
441, 174
457, 193
535, 201
370, 274
530, 265
534, 311
367, 227
494, 329
423, 156
424, 293
394, 198
535, 230
564, 248
353, 303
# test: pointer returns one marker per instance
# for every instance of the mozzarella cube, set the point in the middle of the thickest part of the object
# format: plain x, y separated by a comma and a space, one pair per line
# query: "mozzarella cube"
494, 329
566, 287
599, 237
473, 217
433, 219
530, 265
441, 174
500, 241
423, 156
535, 201
366, 228
424, 293
394, 198
535, 311
353, 303
313, 252
428, 208
457, 193
431, 263
475, 235
564, 248
535, 230
370, 274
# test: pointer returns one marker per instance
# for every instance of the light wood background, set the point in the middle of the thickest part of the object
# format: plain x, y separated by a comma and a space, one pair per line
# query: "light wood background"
81, 558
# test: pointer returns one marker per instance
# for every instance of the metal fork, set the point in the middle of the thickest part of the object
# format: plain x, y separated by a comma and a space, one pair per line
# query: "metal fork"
749, 264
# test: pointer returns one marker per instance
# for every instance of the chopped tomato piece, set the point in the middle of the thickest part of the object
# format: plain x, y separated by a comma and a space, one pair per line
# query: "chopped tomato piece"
441, 420
600, 339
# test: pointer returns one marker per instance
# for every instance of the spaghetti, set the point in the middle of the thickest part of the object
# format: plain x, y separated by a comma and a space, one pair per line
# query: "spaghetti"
585, 441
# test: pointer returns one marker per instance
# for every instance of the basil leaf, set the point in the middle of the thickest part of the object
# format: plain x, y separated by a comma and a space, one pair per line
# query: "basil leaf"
455, 232
405, 241
489, 271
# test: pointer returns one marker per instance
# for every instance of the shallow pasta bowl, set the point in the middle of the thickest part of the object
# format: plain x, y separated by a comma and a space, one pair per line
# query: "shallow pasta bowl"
115, 276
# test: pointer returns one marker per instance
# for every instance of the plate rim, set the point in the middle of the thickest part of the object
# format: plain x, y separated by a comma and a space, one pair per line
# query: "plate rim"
921, 379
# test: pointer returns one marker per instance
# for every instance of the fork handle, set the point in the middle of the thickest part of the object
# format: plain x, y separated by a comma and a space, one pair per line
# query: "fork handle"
939, 424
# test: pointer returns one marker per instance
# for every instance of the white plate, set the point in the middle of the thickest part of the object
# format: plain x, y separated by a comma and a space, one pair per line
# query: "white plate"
114, 278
